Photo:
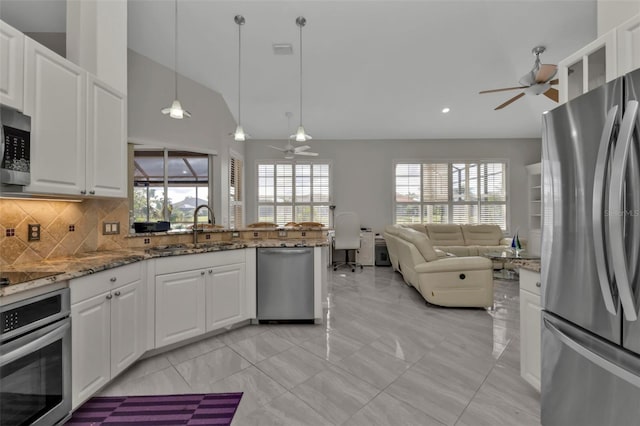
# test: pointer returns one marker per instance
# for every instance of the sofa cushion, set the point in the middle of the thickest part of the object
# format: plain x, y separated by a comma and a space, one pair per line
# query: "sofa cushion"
481, 235
421, 242
442, 234
420, 227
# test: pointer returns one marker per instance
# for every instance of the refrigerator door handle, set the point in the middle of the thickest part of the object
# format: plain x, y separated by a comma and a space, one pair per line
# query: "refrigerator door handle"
617, 214
604, 276
595, 358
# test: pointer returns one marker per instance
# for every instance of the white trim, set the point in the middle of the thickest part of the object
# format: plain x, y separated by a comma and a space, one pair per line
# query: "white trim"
155, 145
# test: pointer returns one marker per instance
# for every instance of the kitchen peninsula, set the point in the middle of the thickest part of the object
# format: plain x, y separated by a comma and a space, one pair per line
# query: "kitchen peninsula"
158, 294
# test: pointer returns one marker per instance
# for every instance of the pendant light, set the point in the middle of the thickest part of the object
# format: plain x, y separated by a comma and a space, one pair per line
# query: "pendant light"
176, 110
239, 135
301, 135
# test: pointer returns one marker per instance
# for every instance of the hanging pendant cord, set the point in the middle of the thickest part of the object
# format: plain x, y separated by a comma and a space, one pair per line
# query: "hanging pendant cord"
175, 51
301, 25
239, 64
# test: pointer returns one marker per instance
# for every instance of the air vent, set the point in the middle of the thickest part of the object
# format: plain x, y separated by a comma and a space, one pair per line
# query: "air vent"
282, 49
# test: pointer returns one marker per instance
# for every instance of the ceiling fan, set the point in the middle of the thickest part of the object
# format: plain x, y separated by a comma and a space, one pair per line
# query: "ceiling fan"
536, 82
291, 151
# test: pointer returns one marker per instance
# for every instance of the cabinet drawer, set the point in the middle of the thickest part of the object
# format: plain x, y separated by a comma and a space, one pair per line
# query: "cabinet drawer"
91, 285
530, 281
168, 265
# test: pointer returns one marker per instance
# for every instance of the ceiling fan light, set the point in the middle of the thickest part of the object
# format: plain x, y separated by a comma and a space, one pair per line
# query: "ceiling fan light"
289, 156
176, 111
301, 135
239, 135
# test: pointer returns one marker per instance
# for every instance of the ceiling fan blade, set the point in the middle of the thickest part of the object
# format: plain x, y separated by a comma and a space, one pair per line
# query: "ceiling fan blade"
552, 94
311, 154
278, 148
502, 90
556, 81
302, 148
510, 101
546, 73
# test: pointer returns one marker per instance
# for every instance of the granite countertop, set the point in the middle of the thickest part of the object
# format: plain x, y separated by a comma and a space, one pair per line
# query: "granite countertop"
87, 263
217, 230
529, 264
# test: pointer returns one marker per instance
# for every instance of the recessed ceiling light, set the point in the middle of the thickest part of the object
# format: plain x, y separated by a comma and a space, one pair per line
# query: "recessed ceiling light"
445, 110
282, 49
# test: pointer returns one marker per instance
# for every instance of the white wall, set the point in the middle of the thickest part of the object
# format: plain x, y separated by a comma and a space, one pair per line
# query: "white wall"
363, 171
151, 89
612, 13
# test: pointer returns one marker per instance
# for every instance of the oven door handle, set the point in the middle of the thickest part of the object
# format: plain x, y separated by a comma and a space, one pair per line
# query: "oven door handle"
42, 338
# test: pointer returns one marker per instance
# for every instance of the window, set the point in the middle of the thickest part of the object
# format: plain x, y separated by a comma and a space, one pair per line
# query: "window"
169, 185
293, 192
452, 192
236, 195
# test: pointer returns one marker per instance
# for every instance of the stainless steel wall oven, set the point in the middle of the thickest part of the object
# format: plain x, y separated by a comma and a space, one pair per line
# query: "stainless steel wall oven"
35, 360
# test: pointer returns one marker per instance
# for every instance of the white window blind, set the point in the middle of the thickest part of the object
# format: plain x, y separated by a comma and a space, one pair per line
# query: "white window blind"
236, 195
293, 192
451, 192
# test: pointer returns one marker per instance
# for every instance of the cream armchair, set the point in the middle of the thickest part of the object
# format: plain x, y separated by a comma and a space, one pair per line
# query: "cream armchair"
444, 281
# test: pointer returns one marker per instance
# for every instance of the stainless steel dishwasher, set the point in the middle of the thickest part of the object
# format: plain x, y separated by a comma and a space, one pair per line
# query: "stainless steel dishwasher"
285, 284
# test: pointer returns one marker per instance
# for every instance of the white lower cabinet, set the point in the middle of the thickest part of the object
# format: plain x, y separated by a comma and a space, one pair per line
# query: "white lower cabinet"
530, 327
180, 306
108, 323
199, 293
225, 292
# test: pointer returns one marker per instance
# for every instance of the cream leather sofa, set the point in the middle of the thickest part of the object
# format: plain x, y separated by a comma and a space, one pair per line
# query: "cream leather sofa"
464, 240
441, 279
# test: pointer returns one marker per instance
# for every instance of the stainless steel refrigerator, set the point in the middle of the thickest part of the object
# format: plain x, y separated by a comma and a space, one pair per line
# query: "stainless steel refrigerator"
591, 258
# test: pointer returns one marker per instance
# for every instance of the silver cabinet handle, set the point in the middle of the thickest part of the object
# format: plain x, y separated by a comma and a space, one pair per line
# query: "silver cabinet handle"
201, 272
605, 276
617, 215
109, 296
113, 279
83, 192
594, 357
92, 192
211, 271
117, 293
538, 284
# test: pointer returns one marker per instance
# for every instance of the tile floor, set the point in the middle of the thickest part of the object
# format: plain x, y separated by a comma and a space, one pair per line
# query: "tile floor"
382, 357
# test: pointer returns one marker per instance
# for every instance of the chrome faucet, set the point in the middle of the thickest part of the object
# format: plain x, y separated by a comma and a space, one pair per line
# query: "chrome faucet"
195, 220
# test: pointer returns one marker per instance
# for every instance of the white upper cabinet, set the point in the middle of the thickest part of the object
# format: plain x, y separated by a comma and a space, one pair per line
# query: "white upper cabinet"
611, 55
629, 45
11, 66
588, 68
106, 140
55, 98
78, 128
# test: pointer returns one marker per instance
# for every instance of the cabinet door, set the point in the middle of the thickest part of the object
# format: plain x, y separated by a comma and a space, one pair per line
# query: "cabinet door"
127, 326
11, 66
180, 306
55, 98
629, 45
106, 140
530, 345
225, 296
90, 347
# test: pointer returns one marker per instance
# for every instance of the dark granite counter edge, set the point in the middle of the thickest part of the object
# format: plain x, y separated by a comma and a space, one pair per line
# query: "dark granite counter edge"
93, 262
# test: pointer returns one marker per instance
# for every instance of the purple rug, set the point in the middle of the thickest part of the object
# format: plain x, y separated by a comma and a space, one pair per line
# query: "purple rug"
195, 409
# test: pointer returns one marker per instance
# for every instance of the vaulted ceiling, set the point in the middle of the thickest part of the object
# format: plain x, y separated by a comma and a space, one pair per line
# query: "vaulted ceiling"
371, 69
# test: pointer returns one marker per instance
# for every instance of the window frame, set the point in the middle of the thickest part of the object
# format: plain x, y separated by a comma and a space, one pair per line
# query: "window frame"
165, 184
293, 203
450, 203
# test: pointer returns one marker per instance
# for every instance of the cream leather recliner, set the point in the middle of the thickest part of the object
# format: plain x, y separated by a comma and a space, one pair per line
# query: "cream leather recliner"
444, 281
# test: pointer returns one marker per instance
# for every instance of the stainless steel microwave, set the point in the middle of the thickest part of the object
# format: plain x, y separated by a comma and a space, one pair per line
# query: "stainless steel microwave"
15, 148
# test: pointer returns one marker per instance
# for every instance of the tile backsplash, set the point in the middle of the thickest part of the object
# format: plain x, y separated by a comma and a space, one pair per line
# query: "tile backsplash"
66, 228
